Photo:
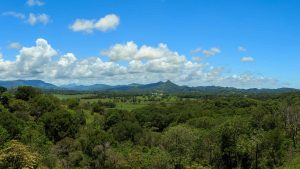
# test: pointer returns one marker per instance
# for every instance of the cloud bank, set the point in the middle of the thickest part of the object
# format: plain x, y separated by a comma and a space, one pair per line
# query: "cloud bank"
128, 63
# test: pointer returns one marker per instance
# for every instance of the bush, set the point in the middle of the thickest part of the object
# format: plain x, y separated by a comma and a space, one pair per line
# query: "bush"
27, 92
61, 124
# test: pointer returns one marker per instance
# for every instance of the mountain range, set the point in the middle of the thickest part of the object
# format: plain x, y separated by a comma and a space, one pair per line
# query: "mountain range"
167, 87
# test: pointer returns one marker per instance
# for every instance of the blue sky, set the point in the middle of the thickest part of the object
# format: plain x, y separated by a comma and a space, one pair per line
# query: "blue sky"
245, 43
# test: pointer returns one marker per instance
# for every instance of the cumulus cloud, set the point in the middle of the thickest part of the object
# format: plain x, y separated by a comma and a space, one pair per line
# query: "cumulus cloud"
14, 45
143, 64
67, 59
33, 59
34, 3
121, 51
108, 22
38, 18
197, 58
31, 19
131, 51
83, 25
247, 59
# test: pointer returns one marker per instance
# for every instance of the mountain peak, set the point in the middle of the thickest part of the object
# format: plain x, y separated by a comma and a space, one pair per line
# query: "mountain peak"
169, 81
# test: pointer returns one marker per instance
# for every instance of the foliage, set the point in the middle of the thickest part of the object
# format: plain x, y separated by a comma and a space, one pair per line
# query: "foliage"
44, 103
179, 142
18, 156
11, 123
60, 124
26, 92
2, 89
148, 131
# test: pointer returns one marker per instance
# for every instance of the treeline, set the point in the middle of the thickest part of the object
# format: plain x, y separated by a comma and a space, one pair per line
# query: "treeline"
38, 130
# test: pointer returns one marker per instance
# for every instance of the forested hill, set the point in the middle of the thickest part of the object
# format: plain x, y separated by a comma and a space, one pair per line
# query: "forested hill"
164, 87
33, 83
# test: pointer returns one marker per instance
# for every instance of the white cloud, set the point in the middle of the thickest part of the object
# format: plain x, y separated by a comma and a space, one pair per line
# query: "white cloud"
196, 51
14, 14
34, 58
5, 66
130, 51
108, 22
145, 64
247, 59
83, 25
14, 45
206, 52
38, 18
197, 58
211, 52
31, 19
67, 59
30, 62
121, 51
242, 49
34, 3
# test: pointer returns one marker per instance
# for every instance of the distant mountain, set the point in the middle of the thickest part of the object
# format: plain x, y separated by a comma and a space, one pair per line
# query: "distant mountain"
95, 87
33, 83
279, 90
164, 87
167, 86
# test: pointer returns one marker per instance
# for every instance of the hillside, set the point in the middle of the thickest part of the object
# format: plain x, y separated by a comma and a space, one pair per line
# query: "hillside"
163, 87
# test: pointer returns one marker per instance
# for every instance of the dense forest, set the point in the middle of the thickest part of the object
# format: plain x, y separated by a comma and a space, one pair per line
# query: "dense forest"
148, 131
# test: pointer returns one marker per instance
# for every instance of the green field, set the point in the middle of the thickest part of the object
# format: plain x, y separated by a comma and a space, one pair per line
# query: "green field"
127, 105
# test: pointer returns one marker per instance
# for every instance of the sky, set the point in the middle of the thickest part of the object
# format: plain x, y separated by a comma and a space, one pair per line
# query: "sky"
237, 43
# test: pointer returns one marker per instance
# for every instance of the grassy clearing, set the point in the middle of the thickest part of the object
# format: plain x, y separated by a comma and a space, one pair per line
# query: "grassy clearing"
71, 96
140, 101
88, 116
130, 106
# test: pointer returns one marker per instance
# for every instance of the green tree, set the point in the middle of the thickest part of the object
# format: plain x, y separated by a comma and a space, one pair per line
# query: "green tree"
4, 135
18, 156
180, 141
72, 103
291, 117
27, 92
11, 123
5, 98
33, 134
44, 103
230, 132
2, 89
276, 146
60, 124
127, 130
20, 108
98, 107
